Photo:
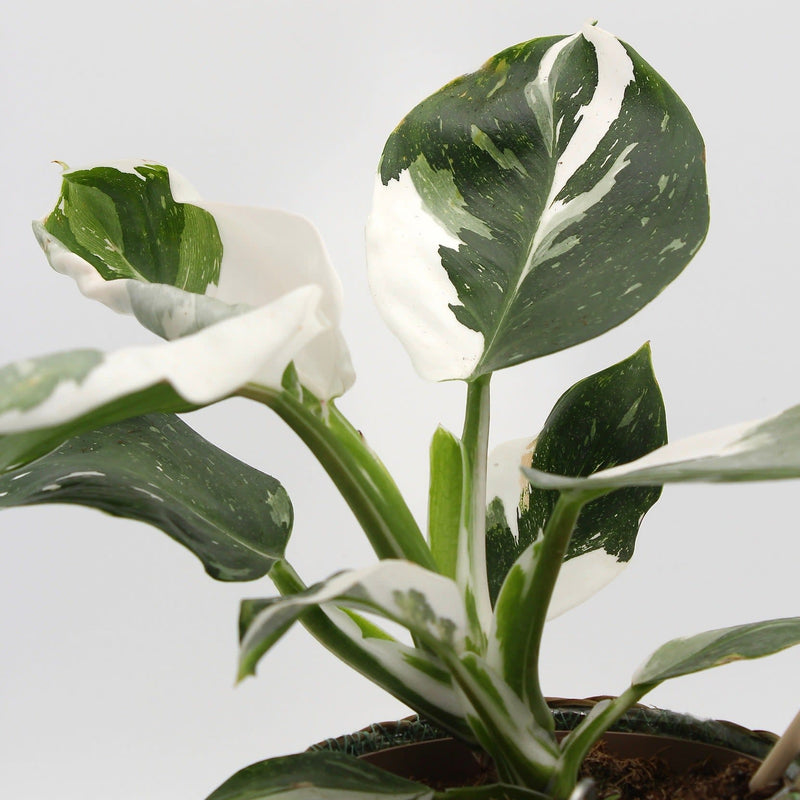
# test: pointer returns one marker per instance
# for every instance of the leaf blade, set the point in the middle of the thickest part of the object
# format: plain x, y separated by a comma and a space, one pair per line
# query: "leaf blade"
156, 469
611, 417
563, 175
50, 398
714, 648
427, 603
321, 775
767, 449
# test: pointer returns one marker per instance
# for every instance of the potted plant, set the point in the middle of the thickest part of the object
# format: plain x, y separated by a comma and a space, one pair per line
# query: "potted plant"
522, 209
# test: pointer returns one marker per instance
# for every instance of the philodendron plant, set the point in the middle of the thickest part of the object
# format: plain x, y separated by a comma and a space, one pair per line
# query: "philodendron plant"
522, 209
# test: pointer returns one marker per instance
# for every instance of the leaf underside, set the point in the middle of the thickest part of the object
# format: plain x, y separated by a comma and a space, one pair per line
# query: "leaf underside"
713, 648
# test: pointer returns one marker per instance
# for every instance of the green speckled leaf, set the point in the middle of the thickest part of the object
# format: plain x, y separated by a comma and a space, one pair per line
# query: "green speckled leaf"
124, 221
534, 204
610, 418
156, 469
320, 775
713, 648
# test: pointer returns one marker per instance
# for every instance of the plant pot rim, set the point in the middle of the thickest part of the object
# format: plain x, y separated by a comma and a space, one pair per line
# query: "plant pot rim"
681, 740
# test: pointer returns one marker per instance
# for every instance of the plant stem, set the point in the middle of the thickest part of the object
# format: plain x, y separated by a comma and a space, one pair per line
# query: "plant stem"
352, 651
359, 475
578, 743
471, 565
555, 541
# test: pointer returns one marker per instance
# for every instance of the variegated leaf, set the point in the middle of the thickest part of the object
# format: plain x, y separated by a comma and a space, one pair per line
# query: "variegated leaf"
156, 469
413, 675
609, 418
713, 648
46, 400
321, 775
768, 449
503, 723
426, 603
534, 204
137, 237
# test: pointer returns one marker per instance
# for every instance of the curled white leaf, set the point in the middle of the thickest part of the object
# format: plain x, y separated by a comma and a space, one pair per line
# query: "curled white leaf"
266, 254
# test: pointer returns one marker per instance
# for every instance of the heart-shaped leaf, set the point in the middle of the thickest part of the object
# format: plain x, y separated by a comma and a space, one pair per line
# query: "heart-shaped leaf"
768, 449
156, 469
534, 204
136, 236
321, 775
712, 648
611, 417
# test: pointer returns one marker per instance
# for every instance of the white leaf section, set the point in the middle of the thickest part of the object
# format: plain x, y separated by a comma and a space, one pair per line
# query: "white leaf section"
411, 287
767, 449
425, 602
504, 478
614, 74
267, 253
581, 577
202, 368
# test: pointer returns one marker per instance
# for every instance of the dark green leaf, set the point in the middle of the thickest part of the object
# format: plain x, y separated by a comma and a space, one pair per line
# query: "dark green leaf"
534, 204
156, 469
321, 775
610, 418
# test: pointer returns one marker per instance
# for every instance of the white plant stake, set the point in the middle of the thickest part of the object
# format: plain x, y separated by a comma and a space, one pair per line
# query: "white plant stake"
786, 750
523, 209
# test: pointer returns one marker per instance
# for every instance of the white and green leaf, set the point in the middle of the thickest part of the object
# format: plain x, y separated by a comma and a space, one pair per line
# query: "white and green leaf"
156, 469
711, 649
611, 417
46, 400
524, 752
767, 449
135, 236
321, 775
426, 603
413, 675
534, 204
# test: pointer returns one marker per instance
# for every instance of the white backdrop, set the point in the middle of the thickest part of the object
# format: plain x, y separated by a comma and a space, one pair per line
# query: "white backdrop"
117, 653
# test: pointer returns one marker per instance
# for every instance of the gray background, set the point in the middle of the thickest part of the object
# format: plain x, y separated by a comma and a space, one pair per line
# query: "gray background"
117, 653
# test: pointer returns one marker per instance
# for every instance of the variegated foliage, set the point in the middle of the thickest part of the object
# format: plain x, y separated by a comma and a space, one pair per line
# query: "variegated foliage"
533, 205
156, 469
522, 209
137, 237
609, 418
